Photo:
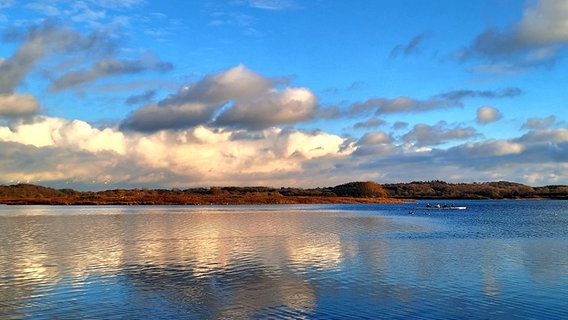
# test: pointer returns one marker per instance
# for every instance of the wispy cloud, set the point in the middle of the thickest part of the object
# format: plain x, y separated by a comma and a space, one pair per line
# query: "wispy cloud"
402, 105
141, 98
490, 94
106, 68
448, 99
273, 4
412, 47
426, 135
371, 123
539, 123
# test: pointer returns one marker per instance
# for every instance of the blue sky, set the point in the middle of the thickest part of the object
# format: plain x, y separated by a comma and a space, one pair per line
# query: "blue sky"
99, 94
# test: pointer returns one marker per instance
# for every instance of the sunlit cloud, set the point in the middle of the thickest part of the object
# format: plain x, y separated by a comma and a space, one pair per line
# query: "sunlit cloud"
18, 104
488, 114
529, 43
241, 97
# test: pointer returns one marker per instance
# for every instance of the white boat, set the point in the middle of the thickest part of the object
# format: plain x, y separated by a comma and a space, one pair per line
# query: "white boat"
440, 208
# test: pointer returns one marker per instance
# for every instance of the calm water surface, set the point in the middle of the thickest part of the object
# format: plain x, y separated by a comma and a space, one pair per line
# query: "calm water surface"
495, 260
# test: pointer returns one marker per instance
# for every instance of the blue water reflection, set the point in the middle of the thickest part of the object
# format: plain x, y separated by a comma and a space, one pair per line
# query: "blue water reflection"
497, 260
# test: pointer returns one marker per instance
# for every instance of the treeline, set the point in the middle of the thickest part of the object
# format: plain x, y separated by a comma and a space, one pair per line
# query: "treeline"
350, 192
487, 190
353, 192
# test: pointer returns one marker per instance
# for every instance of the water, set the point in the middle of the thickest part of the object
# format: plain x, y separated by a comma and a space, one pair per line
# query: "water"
495, 260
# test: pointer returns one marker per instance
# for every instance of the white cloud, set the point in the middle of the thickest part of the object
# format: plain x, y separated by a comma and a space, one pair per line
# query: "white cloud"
200, 155
53, 150
61, 133
488, 114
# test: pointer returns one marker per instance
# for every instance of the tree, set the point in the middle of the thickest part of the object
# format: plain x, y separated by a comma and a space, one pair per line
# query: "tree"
367, 189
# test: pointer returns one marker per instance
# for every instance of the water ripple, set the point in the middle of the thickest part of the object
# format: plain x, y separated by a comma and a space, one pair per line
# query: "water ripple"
299, 262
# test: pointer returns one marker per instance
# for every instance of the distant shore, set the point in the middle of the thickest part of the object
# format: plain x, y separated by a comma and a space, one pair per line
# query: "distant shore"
352, 192
201, 200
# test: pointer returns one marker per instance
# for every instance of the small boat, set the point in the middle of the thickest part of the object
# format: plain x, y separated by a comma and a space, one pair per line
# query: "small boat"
437, 207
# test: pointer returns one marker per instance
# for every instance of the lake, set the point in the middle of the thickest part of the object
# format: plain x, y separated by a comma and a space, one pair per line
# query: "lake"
495, 260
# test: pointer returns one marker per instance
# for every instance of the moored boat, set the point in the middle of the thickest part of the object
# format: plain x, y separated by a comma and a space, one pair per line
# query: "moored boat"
441, 207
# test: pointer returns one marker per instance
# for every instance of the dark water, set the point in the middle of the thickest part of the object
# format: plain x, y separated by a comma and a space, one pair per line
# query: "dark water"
495, 260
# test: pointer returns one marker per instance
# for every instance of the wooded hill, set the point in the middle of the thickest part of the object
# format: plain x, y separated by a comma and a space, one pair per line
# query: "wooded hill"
352, 192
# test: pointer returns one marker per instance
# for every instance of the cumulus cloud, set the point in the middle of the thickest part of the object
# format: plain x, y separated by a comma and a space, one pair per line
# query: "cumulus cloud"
488, 114
237, 97
234, 83
201, 154
426, 135
58, 151
18, 104
152, 117
56, 132
531, 42
273, 108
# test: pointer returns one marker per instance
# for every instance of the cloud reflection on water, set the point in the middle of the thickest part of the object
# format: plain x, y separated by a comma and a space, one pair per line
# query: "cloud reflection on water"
252, 261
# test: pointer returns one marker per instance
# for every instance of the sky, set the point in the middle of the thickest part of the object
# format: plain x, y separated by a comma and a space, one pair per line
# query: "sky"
104, 94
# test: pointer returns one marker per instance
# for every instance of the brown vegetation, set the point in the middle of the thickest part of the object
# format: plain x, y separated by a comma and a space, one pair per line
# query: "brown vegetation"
353, 192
